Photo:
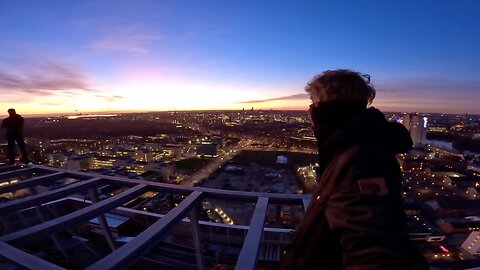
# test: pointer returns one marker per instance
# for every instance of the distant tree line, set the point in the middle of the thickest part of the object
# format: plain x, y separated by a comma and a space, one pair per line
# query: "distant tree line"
100, 128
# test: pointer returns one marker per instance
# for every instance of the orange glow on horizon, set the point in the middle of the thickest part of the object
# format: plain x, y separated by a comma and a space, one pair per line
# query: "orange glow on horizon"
94, 105
167, 95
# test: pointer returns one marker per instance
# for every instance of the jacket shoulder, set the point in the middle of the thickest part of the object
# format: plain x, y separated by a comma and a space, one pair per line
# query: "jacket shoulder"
364, 163
372, 158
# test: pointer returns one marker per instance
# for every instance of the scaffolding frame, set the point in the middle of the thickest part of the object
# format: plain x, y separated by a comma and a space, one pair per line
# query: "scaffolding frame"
133, 250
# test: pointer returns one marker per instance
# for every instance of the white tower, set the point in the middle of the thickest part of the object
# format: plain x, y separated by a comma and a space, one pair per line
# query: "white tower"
417, 126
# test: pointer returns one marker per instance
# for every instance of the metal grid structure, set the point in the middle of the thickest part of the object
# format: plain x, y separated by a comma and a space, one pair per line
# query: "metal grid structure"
128, 253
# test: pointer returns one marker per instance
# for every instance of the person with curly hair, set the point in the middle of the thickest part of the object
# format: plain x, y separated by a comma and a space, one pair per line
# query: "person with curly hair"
355, 220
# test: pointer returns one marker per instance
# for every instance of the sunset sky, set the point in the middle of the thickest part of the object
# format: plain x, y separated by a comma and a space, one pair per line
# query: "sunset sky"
91, 56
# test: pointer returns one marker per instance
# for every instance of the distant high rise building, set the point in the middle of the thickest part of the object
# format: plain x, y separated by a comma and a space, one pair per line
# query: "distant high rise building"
417, 126
406, 121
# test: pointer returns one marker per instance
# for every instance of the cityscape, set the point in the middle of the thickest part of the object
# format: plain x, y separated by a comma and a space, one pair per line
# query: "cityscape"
246, 135
248, 151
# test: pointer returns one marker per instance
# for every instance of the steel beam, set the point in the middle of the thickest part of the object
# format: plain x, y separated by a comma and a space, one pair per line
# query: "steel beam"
134, 249
10, 174
306, 202
249, 253
208, 192
25, 259
45, 197
30, 182
6, 168
193, 216
214, 193
103, 221
59, 224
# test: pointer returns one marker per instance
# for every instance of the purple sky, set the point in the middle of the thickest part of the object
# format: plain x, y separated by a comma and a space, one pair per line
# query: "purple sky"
67, 56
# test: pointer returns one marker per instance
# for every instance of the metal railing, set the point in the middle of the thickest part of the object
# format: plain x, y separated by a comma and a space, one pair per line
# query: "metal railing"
130, 252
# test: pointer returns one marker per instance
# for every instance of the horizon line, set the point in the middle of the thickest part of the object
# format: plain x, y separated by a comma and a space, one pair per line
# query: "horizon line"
60, 114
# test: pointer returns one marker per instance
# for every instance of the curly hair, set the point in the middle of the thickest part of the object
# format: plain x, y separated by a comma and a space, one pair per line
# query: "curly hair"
341, 85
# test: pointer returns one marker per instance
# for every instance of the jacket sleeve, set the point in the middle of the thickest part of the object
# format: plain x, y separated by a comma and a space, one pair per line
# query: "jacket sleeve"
368, 222
4, 123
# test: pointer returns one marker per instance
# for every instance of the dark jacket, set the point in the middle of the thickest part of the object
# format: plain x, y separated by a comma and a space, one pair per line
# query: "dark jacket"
14, 126
355, 219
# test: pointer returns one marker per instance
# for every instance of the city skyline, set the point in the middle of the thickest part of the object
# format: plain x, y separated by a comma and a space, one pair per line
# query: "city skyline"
103, 56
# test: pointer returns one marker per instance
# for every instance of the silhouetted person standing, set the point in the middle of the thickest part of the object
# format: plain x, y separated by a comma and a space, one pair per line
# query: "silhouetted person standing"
14, 125
355, 220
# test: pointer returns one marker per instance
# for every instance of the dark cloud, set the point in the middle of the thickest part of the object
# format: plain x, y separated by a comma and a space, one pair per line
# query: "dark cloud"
416, 93
42, 78
25, 80
291, 97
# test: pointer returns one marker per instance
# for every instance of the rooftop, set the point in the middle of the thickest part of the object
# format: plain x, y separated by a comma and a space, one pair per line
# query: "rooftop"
32, 192
41, 205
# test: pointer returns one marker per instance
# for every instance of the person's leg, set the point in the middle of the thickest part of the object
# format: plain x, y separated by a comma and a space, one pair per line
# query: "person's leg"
11, 150
21, 145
